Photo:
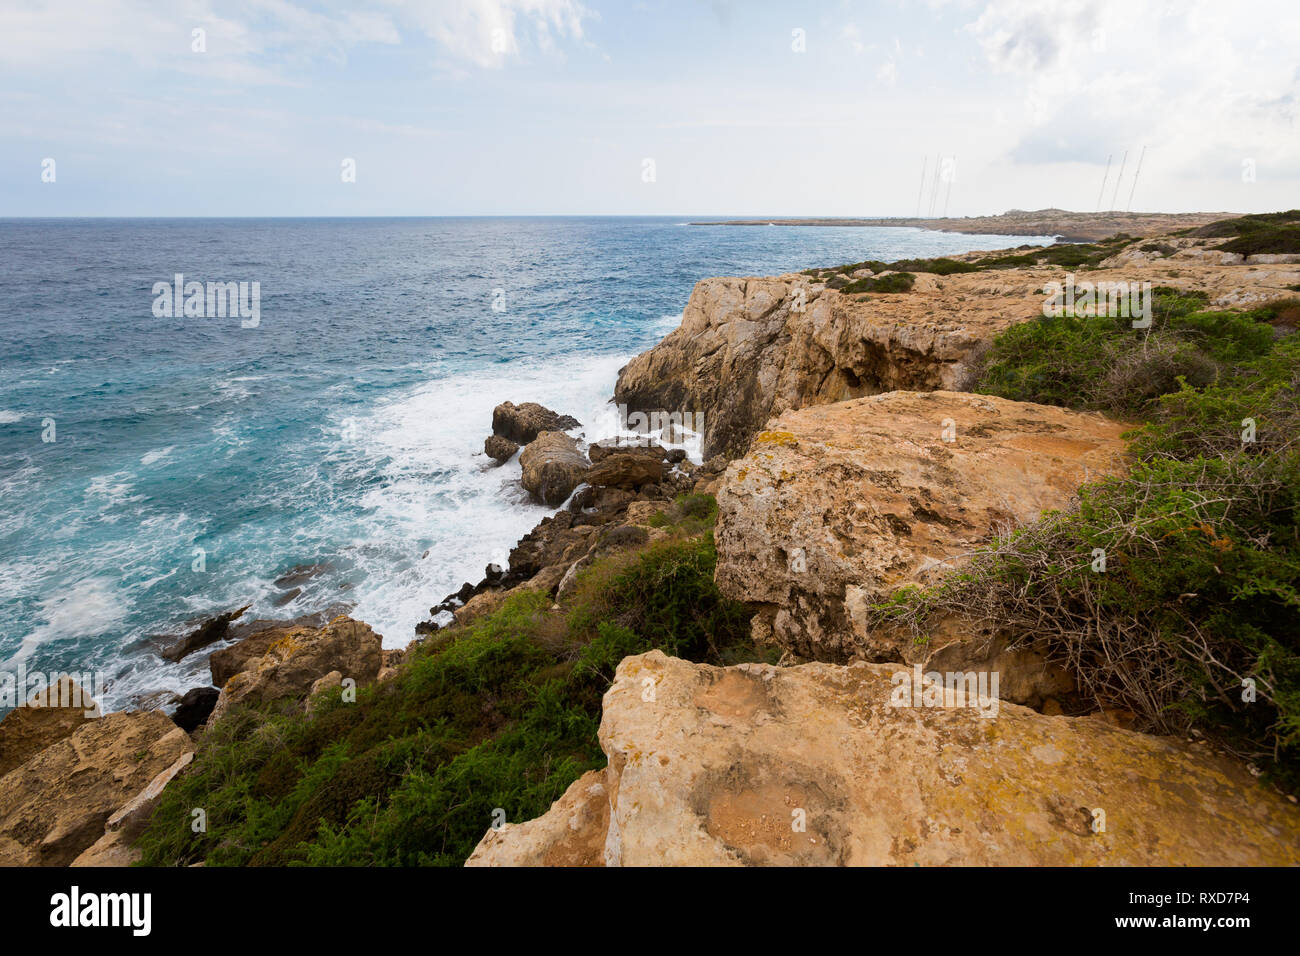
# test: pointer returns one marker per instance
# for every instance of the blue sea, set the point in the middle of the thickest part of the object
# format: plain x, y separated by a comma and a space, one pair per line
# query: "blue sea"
155, 470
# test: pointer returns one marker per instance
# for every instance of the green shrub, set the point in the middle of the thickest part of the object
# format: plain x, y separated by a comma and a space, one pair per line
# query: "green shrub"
501, 713
1103, 363
1199, 598
894, 282
1274, 232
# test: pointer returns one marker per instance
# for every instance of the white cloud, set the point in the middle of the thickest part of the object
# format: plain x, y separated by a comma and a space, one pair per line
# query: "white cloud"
487, 33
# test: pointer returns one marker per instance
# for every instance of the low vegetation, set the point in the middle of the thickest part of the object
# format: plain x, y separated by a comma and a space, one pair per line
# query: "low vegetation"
1174, 591
500, 713
1274, 232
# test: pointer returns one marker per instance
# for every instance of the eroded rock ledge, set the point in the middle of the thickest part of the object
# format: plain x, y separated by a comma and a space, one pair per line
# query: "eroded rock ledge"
836, 506
714, 770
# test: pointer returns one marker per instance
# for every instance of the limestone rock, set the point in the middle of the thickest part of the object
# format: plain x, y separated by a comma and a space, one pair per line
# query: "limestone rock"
522, 424
128, 822
626, 471
251, 639
837, 505
57, 803
816, 765
748, 349
300, 657
553, 466
571, 833
618, 446
47, 717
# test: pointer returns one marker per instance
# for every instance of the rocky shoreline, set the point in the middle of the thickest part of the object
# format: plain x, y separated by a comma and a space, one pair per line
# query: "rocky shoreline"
847, 460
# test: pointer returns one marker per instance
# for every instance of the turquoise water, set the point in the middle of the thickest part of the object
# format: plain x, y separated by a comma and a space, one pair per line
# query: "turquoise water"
344, 431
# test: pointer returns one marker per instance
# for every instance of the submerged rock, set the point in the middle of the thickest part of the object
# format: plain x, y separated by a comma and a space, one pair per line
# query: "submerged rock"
828, 765
209, 632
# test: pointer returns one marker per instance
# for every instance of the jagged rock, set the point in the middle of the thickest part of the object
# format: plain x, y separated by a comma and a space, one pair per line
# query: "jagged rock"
750, 348
619, 446
836, 506
124, 826
209, 632
195, 708
56, 804
571, 833
626, 471
500, 449
523, 423
815, 765
254, 637
48, 716
298, 658
553, 466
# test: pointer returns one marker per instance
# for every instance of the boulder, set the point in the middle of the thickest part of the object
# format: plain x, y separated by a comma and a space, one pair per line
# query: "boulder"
620, 446
195, 708
552, 467
836, 506
57, 803
254, 637
298, 658
47, 717
500, 449
522, 424
836, 765
626, 471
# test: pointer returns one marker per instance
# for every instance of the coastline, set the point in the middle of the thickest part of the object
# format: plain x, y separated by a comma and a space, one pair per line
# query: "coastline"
809, 412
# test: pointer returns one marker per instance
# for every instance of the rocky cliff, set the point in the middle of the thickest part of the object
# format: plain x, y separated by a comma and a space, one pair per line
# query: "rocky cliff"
822, 765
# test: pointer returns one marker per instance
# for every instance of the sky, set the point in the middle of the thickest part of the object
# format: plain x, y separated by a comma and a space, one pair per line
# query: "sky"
555, 107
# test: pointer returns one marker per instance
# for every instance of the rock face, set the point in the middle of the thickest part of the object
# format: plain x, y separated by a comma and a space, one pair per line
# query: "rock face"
626, 471
57, 803
521, 424
553, 466
47, 717
125, 825
752, 348
571, 833
299, 657
815, 765
748, 349
254, 637
835, 506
